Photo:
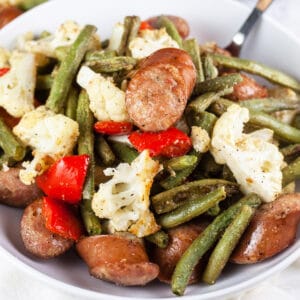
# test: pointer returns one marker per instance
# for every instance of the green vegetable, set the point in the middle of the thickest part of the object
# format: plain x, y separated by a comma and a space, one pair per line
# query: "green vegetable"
181, 162
100, 54
71, 105
291, 172
44, 82
104, 151
159, 238
124, 152
28, 4
210, 71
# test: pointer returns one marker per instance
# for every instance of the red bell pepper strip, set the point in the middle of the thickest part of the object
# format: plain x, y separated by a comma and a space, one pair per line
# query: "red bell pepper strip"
112, 127
3, 71
145, 25
61, 219
64, 180
170, 143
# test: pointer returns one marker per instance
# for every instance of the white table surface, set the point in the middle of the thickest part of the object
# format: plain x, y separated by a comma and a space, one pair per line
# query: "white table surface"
15, 284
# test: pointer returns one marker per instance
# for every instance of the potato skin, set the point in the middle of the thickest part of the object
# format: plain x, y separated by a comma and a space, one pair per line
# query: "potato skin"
7, 14
272, 229
15, 193
180, 239
38, 240
121, 259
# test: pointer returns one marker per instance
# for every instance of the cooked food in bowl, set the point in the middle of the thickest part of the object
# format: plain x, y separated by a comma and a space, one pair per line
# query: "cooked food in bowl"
152, 155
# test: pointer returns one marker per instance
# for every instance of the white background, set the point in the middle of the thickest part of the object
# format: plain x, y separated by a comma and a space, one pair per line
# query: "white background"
17, 285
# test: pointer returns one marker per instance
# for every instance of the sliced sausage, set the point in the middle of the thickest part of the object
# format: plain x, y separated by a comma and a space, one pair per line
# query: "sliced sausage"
181, 24
7, 14
37, 239
14, 192
158, 92
272, 229
117, 258
248, 88
180, 239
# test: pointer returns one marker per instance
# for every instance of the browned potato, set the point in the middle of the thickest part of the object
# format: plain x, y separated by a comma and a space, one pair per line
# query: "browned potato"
121, 259
37, 239
180, 238
248, 89
180, 23
15, 193
272, 229
7, 14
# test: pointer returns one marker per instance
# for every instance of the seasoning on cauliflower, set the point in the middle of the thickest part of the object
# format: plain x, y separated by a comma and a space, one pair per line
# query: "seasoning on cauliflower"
150, 41
124, 199
107, 102
65, 35
17, 85
255, 162
4, 58
200, 139
51, 135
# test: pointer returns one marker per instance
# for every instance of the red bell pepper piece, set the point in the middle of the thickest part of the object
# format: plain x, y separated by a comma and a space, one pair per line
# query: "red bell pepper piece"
112, 127
3, 71
145, 25
61, 219
170, 143
64, 180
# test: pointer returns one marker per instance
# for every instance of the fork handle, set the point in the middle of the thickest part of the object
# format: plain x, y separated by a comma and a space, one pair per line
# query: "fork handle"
262, 5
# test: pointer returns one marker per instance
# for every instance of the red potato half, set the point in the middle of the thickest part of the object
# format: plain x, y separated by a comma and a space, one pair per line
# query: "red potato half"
272, 229
180, 238
37, 239
121, 259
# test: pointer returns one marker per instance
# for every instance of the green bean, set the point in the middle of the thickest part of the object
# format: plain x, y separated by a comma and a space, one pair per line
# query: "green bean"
296, 121
291, 172
71, 105
114, 64
181, 162
217, 84
171, 29
205, 241
124, 152
203, 119
256, 68
85, 120
44, 82
210, 71
135, 26
214, 211
104, 151
99, 54
192, 208
226, 245
192, 47
173, 198
159, 238
220, 106
61, 52
208, 167
68, 69
290, 152
269, 105
28, 4
9, 143
281, 130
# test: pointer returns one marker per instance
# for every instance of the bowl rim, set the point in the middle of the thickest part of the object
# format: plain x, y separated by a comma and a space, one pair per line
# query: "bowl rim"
82, 292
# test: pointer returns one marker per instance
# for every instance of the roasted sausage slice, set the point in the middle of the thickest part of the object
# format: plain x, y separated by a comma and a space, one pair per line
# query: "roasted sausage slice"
15, 193
272, 229
121, 259
180, 23
7, 14
158, 92
180, 239
37, 239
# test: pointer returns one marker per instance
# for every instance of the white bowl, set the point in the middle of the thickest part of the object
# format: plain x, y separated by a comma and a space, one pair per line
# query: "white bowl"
214, 20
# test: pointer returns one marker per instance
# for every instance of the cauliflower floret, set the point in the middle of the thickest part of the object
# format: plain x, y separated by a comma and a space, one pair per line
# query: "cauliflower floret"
51, 135
4, 58
116, 37
255, 162
107, 102
150, 41
65, 35
200, 139
124, 199
17, 85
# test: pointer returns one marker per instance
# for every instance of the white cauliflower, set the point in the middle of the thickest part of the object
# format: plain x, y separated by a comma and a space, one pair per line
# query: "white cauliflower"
150, 41
200, 139
4, 58
51, 135
65, 35
107, 102
124, 199
255, 162
116, 37
17, 85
